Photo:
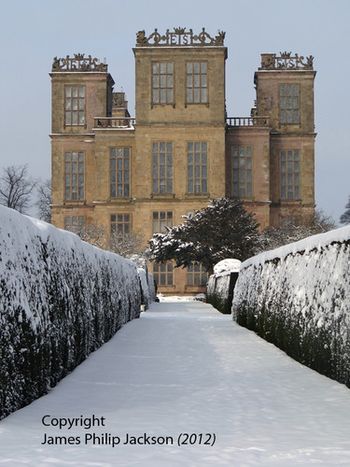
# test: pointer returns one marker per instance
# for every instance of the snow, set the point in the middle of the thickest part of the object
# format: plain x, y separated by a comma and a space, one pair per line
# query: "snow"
298, 296
147, 286
315, 241
227, 265
220, 284
144, 287
183, 367
56, 304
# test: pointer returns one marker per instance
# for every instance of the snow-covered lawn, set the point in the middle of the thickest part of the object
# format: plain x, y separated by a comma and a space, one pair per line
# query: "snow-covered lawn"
185, 368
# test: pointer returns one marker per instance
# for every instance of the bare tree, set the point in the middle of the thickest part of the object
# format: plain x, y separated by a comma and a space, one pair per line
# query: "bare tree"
44, 201
92, 233
16, 187
126, 244
292, 230
345, 217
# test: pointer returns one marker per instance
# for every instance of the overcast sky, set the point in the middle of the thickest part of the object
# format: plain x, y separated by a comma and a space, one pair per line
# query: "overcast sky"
33, 32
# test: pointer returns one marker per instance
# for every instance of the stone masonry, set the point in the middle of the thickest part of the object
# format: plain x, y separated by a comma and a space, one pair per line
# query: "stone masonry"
131, 176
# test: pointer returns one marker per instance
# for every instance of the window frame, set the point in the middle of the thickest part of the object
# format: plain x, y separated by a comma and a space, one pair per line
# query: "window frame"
158, 181
167, 88
113, 173
289, 108
284, 192
169, 221
193, 87
72, 174
192, 274
167, 274
71, 111
123, 234
192, 190
245, 154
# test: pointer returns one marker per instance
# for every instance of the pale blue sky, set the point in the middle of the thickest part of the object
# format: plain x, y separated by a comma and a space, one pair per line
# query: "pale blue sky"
33, 32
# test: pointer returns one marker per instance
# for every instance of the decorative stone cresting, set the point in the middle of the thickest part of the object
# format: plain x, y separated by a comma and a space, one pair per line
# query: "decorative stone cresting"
78, 63
286, 61
179, 37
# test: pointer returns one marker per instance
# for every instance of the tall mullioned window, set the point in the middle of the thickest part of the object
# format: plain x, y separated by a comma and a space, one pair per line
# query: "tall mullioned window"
162, 83
121, 225
196, 83
74, 105
196, 274
289, 104
120, 172
161, 220
74, 176
162, 167
74, 224
290, 174
197, 176
241, 163
163, 273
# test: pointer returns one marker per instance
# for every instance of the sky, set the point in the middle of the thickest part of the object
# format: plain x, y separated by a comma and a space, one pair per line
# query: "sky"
33, 32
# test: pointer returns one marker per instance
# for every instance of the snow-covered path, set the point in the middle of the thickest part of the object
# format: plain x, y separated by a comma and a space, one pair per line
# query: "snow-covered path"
185, 368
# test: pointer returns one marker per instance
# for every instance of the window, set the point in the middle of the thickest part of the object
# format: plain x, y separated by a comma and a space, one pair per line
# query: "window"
241, 160
290, 174
74, 224
196, 275
74, 105
197, 167
74, 176
120, 225
163, 273
289, 104
162, 219
162, 83
120, 172
162, 167
196, 83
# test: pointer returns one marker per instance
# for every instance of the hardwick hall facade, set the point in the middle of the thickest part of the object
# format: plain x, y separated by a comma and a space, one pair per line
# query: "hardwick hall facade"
134, 176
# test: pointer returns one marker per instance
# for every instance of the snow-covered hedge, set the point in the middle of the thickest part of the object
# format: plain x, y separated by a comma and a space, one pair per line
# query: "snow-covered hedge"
60, 299
221, 284
147, 287
151, 287
298, 297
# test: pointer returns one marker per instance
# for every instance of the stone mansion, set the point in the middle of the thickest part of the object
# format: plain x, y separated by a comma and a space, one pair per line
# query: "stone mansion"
136, 175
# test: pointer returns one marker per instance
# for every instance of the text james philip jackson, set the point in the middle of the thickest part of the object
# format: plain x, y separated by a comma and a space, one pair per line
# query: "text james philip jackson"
113, 440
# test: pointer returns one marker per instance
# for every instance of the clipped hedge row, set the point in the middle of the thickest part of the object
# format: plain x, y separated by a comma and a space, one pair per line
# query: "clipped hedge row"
60, 299
298, 298
147, 287
220, 290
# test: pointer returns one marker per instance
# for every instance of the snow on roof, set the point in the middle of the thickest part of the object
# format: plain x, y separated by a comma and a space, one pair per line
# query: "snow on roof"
307, 244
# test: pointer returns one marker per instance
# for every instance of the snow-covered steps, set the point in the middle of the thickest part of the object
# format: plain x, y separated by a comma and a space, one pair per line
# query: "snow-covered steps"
184, 368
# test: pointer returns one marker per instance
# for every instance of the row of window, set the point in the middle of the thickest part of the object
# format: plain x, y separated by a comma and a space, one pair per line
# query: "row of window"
164, 274
163, 83
120, 223
197, 173
162, 171
242, 174
196, 93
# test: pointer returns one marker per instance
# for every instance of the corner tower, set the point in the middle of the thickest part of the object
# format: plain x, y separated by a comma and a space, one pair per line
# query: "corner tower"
285, 94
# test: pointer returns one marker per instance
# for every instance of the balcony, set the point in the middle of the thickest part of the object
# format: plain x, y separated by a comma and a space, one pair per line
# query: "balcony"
114, 123
248, 121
